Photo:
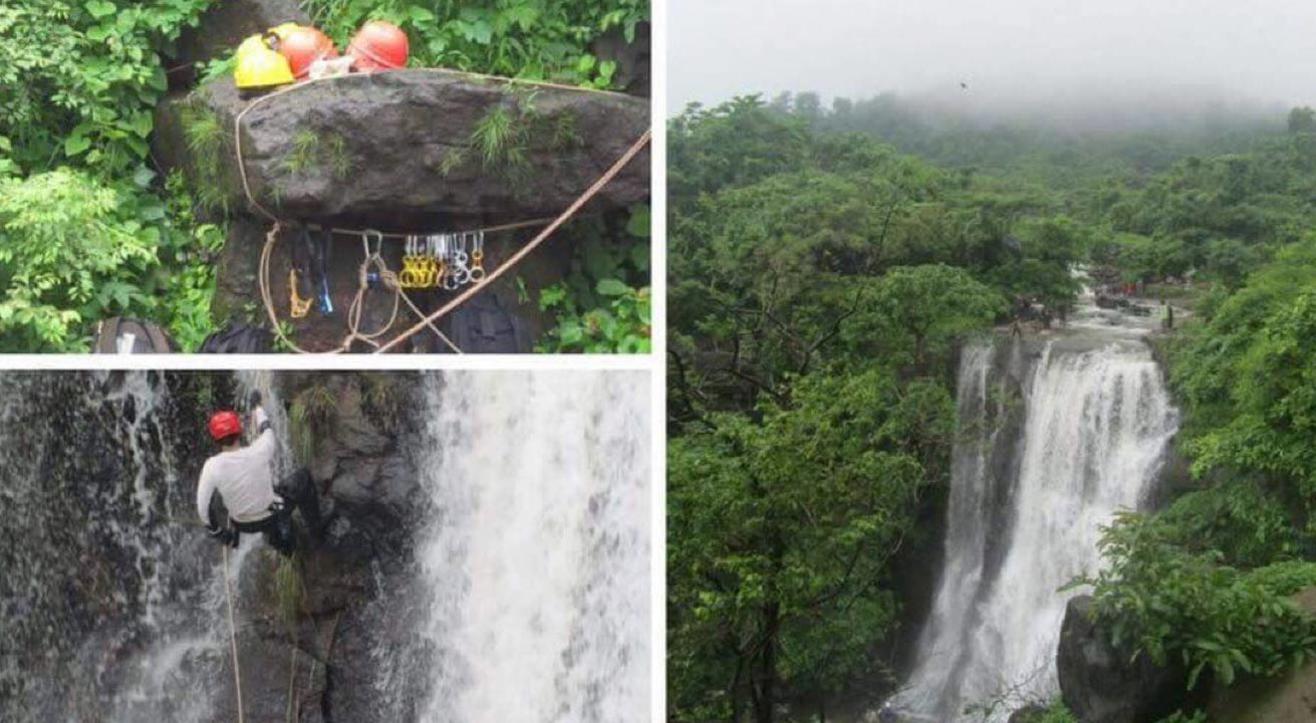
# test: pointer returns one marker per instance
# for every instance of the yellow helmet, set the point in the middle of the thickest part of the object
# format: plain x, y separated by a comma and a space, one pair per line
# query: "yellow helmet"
259, 67
281, 31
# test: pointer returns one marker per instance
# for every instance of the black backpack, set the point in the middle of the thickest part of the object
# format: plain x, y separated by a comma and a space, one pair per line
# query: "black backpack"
118, 335
483, 326
238, 339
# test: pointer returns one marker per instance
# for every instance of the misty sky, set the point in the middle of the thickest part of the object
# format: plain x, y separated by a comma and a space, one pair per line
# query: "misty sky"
1261, 50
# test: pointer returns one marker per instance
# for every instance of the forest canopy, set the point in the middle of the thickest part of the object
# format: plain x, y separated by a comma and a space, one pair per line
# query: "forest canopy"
825, 266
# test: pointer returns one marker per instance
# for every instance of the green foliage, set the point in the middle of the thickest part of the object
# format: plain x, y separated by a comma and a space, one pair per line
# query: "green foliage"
601, 307
310, 414
1158, 599
70, 250
622, 327
780, 530
79, 79
530, 39
289, 588
86, 230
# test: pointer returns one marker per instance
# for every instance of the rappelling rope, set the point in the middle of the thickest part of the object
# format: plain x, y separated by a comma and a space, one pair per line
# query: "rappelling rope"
233, 636
536, 241
387, 277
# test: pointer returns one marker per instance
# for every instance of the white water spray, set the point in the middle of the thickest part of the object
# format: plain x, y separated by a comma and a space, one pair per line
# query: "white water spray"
537, 559
1096, 424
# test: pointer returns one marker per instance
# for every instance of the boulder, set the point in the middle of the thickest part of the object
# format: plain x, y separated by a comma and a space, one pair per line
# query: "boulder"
413, 149
1290, 698
1099, 684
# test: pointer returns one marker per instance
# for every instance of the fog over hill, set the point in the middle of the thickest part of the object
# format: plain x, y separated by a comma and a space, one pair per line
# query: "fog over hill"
1089, 66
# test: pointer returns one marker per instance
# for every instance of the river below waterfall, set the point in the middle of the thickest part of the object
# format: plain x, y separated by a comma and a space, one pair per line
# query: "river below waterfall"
487, 556
1056, 434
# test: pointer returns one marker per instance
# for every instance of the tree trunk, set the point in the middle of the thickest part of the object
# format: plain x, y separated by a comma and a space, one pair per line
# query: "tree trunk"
765, 702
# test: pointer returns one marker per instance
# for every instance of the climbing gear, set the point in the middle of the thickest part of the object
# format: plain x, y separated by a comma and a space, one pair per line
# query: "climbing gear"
224, 536
379, 45
237, 338
303, 46
224, 424
259, 67
374, 275
233, 636
297, 306
534, 243
309, 259
120, 335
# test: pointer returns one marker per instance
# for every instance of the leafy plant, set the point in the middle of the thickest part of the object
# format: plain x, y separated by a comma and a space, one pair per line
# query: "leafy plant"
70, 250
600, 307
531, 39
1159, 600
620, 328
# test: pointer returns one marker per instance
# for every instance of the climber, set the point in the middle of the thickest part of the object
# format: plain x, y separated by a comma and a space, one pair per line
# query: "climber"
244, 479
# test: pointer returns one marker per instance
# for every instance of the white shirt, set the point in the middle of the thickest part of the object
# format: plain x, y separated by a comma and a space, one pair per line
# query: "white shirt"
243, 477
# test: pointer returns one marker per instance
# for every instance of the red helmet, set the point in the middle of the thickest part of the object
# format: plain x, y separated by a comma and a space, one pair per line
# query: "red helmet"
379, 45
224, 424
303, 46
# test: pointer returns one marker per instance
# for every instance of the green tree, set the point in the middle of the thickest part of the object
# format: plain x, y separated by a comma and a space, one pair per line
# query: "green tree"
779, 536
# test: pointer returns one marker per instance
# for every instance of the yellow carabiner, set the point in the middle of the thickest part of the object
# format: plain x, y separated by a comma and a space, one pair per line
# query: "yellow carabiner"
297, 306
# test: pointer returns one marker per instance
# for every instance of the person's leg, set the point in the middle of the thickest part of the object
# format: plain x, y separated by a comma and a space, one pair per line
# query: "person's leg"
298, 489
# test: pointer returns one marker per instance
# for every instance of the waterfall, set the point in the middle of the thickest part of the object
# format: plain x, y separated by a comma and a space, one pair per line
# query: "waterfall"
112, 598
1049, 449
536, 560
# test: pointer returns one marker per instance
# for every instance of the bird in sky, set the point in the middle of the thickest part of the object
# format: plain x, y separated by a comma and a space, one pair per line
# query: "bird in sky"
963, 85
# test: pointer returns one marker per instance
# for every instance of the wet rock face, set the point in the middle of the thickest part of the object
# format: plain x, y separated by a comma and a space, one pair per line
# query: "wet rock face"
1099, 684
359, 597
407, 148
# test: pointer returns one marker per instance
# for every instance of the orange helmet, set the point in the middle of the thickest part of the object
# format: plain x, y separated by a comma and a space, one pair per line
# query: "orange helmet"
379, 45
302, 46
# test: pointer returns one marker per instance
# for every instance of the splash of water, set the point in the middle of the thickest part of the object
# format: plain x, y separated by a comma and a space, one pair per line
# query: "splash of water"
537, 559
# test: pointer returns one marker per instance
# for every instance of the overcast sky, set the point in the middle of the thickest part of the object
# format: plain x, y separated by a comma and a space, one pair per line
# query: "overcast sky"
1263, 50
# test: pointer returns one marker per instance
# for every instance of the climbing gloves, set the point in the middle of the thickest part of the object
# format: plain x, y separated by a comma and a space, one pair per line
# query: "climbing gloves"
224, 535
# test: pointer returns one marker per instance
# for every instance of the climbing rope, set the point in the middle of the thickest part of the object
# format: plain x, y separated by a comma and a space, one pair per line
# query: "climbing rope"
233, 636
515, 258
372, 257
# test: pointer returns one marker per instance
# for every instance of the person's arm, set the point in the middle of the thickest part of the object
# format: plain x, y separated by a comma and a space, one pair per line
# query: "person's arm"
204, 489
265, 444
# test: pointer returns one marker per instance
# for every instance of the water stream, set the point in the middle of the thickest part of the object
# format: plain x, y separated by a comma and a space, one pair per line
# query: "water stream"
537, 561
521, 594
1056, 435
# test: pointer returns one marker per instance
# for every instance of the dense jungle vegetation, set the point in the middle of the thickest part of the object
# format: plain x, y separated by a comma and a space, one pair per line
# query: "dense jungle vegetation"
89, 228
824, 262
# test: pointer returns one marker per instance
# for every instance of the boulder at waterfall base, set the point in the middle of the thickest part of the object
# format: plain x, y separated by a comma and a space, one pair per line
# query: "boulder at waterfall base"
1100, 684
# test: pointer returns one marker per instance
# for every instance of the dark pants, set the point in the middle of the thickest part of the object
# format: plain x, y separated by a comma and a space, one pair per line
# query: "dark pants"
297, 491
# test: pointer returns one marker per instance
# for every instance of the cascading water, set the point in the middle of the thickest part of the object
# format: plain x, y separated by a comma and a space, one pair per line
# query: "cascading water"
111, 597
536, 559
1051, 445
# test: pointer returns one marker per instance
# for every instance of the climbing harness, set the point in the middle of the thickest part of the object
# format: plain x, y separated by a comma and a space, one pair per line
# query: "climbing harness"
233, 636
459, 267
